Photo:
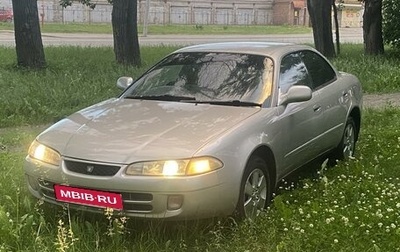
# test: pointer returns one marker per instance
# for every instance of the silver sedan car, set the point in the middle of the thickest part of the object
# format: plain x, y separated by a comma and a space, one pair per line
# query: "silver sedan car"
208, 131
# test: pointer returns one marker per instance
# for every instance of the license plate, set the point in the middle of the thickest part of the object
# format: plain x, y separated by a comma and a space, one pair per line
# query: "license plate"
88, 197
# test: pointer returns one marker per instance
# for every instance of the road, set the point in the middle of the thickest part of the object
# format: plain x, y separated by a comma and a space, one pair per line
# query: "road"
348, 35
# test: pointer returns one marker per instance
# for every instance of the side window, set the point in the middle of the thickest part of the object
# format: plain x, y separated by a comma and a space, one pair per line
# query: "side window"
320, 71
293, 72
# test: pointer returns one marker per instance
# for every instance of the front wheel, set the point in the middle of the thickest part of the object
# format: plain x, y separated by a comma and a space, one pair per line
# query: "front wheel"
346, 148
255, 189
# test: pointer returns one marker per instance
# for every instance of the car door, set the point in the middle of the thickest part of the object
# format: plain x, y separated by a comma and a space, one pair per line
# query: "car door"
300, 122
334, 97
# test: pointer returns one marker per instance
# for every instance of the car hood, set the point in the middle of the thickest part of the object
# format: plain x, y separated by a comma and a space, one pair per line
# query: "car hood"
126, 131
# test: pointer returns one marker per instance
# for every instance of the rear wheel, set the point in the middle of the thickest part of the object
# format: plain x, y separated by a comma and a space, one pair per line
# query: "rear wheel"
346, 147
255, 189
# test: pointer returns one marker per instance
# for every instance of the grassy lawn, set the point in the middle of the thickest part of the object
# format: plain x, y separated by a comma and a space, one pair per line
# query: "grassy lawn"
353, 206
77, 77
170, 29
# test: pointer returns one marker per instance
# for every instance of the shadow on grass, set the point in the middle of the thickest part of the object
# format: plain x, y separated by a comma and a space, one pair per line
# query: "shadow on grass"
159, 230
310, 171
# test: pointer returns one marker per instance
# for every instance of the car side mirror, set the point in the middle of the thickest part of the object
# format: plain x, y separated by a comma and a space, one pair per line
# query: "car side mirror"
295, 93
124, 82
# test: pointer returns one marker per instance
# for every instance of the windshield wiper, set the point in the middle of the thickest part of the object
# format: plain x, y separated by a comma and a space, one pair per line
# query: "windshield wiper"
161, 97
235, 103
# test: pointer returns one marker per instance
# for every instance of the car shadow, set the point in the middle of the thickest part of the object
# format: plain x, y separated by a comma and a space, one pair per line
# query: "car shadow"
131, 228
309, 171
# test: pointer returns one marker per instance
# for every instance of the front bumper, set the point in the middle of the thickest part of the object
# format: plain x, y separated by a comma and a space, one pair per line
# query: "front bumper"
174, 198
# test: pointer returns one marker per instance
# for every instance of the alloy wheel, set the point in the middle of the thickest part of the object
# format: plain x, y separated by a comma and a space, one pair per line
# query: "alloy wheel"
349, 141
255, 193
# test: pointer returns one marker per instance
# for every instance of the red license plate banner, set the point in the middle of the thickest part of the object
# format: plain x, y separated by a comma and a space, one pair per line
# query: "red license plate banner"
88, 197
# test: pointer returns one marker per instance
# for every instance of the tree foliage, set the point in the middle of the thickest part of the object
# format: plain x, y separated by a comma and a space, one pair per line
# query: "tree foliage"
391, 22
66, 3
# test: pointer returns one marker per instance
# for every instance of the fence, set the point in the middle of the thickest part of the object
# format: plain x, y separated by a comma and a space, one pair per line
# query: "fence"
160, 15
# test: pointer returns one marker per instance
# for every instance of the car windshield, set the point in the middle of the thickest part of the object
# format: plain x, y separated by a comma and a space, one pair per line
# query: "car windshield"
207, 77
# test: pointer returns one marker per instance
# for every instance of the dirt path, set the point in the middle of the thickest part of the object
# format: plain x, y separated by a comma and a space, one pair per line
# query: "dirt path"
381, 100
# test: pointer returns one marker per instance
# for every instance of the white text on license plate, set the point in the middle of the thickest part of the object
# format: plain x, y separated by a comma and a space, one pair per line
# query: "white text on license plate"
88, 197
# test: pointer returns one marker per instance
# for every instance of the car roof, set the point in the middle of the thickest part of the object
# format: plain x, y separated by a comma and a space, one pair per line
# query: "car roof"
259, 48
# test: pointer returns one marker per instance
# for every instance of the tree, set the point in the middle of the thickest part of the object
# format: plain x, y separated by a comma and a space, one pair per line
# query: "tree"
28, 39
391, 22
335, 17
320, 16
124, 23
125, 32
372, 27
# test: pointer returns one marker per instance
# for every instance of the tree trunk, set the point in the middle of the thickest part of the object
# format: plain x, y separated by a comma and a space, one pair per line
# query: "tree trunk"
320, 16
124, 23
28, 40
335, 16
372, 27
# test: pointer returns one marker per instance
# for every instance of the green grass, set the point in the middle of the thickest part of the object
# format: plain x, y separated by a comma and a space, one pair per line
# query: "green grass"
227, 29
170, 29
353, 206
378, 74
77, 77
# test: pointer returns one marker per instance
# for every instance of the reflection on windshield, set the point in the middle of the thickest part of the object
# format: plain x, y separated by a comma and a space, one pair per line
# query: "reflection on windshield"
208, 77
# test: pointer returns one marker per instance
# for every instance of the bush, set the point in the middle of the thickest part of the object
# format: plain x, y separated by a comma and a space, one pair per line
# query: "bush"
391, 22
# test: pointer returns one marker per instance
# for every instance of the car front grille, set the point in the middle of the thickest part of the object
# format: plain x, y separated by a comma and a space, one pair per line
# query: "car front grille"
91, 168
132, 202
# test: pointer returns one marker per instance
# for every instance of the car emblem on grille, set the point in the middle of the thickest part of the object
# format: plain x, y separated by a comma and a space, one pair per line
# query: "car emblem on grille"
89, 168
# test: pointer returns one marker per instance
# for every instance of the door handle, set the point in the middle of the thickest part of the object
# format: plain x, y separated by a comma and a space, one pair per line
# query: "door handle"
317, 108
345, 97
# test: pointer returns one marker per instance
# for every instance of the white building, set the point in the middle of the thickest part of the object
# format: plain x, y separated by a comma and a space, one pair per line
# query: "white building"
198, 12
6, 4
224, 12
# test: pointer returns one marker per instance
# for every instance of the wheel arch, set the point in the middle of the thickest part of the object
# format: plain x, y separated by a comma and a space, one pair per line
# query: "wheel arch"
356, 115
267, 155
261, 153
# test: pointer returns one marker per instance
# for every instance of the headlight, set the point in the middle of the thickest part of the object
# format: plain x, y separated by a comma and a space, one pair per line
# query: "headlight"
43, 153
189, 167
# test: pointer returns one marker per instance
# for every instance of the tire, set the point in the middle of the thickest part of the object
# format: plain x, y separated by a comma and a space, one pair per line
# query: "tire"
346, 148
255, 189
